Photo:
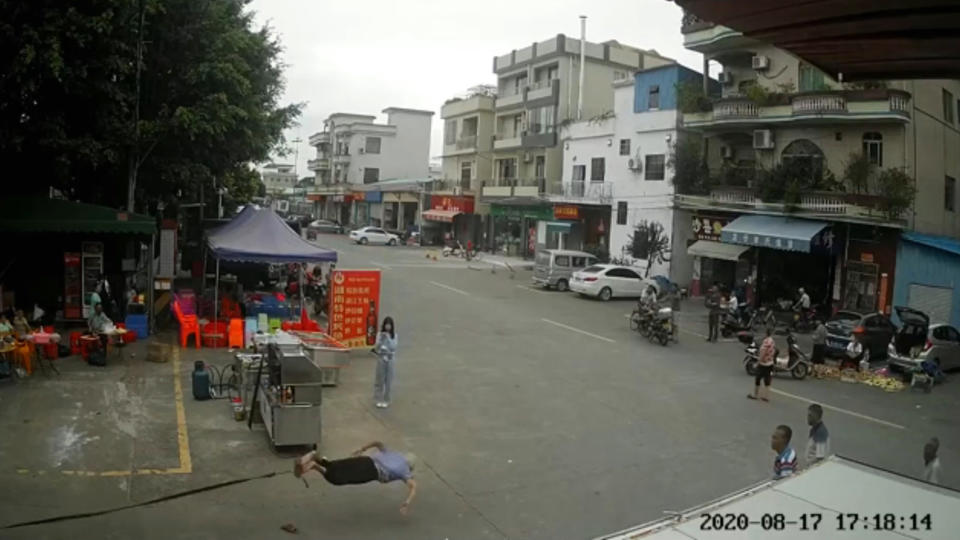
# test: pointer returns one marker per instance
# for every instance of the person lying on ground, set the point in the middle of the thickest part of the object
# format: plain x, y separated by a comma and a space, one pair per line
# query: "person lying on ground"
383, 465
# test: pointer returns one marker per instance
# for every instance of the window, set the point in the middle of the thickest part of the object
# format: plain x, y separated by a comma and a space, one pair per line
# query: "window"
541, 120
579, 262
450, 132
579, 173
621, 212
540, 167
370, 175
562, 260
466, 170
950, 193
596, 169
622, 273
519, 83
372, 145
654, 100
947, 106
811, 78
507, 169
624, 147
952, 333
655, 166
873, 148
517, 125
619, 75
805, 158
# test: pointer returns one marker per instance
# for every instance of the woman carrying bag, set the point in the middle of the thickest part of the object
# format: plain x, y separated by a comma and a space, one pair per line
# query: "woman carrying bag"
386, 351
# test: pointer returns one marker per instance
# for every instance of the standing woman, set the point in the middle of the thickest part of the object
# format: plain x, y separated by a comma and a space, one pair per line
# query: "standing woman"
386, 351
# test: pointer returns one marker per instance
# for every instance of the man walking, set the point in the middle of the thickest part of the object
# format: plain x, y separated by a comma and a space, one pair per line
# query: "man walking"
785, 463
818, 443
714, 307
931, 463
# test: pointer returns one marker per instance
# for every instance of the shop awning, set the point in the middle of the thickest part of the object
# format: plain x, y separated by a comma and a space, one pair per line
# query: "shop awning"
773, 232
716, 250
42, 215
445, 216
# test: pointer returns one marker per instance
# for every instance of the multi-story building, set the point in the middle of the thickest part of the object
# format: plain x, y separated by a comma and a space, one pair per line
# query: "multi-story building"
615, 169
278, 177
538, 90
355, 154
803, 186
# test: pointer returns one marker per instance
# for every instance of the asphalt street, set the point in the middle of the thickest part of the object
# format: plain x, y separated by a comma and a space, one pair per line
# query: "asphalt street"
535, 415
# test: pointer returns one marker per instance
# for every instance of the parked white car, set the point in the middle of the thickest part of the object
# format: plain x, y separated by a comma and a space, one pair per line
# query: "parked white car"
606, 281
918, 340
374, 235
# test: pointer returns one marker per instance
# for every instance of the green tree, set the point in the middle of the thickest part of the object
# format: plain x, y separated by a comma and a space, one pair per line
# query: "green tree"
209, 95
857, 172
896, 191
690, 173
649, 242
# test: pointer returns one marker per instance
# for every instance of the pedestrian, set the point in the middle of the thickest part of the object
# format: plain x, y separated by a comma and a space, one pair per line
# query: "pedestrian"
931, 462
785, 464
818, 444
382, 466
764, 370
819, 348
715, 309
386, 351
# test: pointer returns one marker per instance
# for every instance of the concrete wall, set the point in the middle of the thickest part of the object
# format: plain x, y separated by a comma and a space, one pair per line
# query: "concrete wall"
784, 69
411, 155
937, 151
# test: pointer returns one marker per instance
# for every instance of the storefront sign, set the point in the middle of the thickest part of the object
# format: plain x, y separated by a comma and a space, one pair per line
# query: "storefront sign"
354, 307
373, 196
463, 205
314, 197
866, 257
823, 242
530, 212
338, 198
359, 196
708, 228
566, 211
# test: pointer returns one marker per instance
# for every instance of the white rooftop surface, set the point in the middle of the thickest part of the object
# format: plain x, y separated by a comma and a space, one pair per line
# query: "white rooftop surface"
835, 486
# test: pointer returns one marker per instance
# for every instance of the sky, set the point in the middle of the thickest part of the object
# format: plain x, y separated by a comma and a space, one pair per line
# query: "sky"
362, 56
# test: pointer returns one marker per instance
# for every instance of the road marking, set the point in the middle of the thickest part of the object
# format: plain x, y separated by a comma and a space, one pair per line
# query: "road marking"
579, 331
449, 288
380, 264
839, 409
533, 289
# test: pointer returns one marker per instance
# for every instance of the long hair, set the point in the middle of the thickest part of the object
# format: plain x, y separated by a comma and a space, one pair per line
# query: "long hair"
393, 327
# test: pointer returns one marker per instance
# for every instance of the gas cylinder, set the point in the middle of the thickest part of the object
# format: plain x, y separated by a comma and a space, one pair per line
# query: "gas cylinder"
201, 381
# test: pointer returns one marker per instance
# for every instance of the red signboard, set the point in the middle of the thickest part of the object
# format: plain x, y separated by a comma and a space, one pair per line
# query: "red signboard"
566, 211
453, 204
354, 307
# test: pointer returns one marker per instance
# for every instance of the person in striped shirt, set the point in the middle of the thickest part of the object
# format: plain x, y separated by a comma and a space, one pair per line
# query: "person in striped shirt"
818, 444
786, 462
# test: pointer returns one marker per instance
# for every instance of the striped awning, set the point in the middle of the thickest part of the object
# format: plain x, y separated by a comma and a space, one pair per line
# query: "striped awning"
445, 216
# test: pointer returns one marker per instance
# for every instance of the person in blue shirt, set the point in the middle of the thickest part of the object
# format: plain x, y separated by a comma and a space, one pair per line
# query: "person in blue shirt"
383, 465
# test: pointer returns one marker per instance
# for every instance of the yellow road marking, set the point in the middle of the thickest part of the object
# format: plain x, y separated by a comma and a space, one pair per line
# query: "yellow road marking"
183, 439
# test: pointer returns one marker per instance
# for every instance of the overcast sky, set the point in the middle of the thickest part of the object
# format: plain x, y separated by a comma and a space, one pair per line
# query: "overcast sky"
362, 56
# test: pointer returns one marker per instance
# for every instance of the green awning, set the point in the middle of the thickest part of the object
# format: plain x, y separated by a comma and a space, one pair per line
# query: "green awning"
40, 215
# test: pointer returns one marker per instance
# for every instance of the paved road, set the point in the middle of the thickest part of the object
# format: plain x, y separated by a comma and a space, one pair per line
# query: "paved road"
535, 415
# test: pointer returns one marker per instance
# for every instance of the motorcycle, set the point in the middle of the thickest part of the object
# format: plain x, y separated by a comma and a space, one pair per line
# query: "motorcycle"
805, 320
742, 321
641, 320
456, 250
796, 363
661, 326
317, 292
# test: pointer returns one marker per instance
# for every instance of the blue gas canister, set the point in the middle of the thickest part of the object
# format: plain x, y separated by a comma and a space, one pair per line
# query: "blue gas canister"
201, 382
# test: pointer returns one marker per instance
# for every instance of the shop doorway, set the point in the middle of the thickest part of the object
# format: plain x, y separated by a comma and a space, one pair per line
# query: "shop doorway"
781, 273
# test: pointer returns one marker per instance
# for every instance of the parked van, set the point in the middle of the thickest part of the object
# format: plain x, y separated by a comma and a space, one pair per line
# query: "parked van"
554, 267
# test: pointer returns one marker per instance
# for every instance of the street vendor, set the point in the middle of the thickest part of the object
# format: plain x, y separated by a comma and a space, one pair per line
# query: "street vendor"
20, 324
383, 465
98, 324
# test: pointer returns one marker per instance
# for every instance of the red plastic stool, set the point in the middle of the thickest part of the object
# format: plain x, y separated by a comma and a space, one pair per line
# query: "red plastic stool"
88, 344
75, 342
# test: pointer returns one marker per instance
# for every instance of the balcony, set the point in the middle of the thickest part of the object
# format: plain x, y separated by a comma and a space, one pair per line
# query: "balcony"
582, 191
467, 142
807, 108
341, 158
514, 187
318, 164
317, 139
510, 100
543, 89
452, 187
504, 141
812, 204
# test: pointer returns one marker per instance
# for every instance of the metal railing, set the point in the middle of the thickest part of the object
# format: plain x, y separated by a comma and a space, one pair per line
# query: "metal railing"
819, 104
735, 108
585, 190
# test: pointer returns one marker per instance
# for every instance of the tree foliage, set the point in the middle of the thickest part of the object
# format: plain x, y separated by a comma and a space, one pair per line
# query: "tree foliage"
209, 98
690, 173
857, 172
649, 242
896, 191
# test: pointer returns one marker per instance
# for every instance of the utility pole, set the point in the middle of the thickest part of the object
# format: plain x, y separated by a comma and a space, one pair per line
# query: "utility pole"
134, 160
296, 154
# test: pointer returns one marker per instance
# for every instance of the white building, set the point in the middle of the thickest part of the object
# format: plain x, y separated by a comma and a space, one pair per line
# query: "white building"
277, 177
354, 150
621, 160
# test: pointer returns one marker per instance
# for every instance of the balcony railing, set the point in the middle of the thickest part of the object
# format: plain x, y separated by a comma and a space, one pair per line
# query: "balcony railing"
322, 137
728, 108
818, 104
583, 190
882, 102
318, 164
449, 184
861, 208
467, 142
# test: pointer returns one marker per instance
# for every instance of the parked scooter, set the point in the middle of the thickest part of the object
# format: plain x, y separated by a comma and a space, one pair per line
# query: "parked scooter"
456, 250
796, 363
735, 323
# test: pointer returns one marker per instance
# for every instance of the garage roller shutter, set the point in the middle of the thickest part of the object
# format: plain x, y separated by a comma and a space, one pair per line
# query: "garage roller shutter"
934, 301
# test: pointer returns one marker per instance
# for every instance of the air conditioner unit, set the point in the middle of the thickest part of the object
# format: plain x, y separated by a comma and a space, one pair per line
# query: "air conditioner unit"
763, 139
726, 152
725, 78
760, 62
634, 164
362, 150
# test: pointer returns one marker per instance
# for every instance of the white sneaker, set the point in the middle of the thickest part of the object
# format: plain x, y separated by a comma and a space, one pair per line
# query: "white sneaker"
381, 404
385, 404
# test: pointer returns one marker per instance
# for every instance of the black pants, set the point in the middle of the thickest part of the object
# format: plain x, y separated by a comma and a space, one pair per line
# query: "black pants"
714, 326
818, 353
765, 374
353, 470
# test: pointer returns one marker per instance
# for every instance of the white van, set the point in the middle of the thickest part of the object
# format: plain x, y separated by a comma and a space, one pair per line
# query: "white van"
554, 267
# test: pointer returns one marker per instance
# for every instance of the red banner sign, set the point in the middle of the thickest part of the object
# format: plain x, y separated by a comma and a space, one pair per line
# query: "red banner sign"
354, 307
453, 204
566, 211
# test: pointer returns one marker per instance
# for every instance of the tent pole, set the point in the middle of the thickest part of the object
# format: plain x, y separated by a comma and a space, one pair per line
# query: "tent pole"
216, 293
203, 271
151, 317
303, 293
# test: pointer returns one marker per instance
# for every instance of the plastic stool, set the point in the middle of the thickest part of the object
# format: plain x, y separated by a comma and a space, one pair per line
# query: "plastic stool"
275, 324
263, 323
235, 334
75, 342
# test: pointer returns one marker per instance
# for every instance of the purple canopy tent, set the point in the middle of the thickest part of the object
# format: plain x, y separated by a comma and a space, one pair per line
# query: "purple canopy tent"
259, 235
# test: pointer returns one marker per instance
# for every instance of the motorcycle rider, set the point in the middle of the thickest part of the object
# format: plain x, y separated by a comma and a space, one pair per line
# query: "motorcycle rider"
803, 302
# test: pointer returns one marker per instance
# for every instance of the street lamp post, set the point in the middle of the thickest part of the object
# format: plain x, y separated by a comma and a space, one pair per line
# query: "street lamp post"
220, 193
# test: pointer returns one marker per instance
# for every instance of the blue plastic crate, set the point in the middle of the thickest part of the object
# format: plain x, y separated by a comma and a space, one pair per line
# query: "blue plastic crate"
138, 324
